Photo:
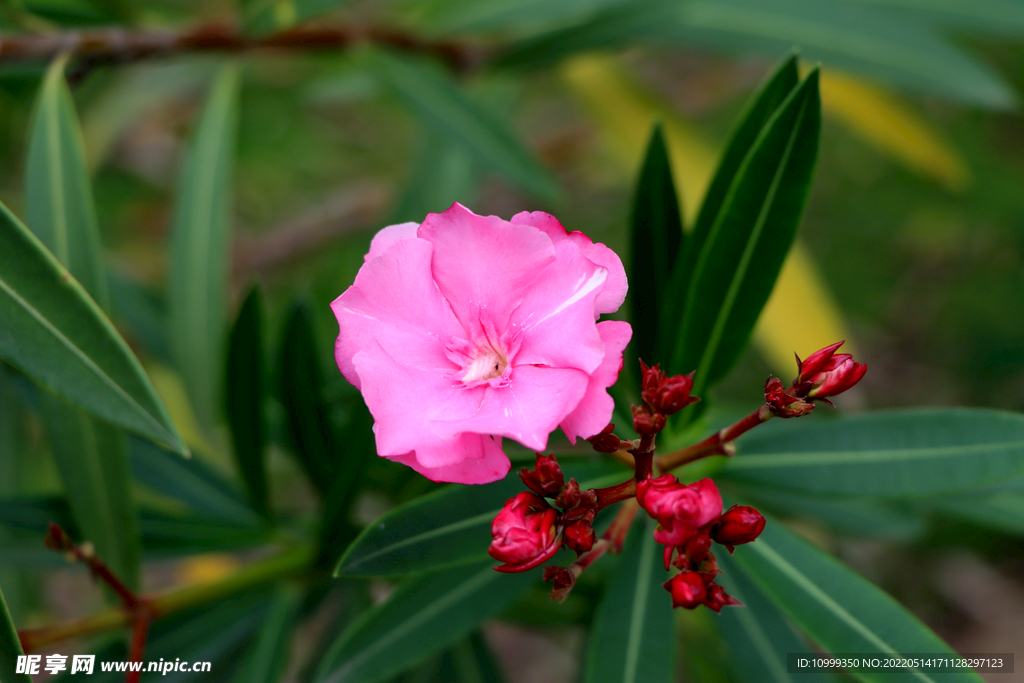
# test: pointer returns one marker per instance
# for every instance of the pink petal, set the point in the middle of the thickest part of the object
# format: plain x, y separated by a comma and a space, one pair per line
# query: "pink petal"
388, 236
528, 409
557, 315
481, 460
614, 291
395, 303
483, 264
594, 411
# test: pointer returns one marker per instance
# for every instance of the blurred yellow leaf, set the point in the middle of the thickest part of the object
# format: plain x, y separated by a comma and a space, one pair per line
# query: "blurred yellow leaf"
883, 121
800, 315
205, 568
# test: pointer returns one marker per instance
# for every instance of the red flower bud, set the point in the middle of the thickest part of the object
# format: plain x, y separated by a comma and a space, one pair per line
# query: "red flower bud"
783, 404
525, 533
826, 373
687, 589
579, 536
741, 524
647, 423
545, 479
717, 598
650, 382
674, 394
569, 497
605, 442
562, 581
697, 548
681, 509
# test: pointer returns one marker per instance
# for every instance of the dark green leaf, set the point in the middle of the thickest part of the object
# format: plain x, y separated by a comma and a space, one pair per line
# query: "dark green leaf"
425, 614
750, 238
200, 236
433, 96
59, 207
445, 173
1001, 17
751, 122
10, 647
1002, 511
839, 609
190, 481
894, 454
657, 232
757, 635
246, 399
176, 534
270, 16
520, 16
633, 637
446, 528
54, 332
308, 425
904, 52
471, 661
269, 654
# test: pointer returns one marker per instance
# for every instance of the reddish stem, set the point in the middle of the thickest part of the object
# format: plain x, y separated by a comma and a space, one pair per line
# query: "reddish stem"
611, 540
719, 443
140, 630
58, 539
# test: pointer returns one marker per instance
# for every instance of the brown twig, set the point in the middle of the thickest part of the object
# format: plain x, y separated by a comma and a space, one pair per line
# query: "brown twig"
719, 443
120, 46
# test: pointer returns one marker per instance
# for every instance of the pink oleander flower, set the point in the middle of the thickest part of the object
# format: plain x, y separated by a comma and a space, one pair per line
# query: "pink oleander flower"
681, 509
525, 533
466, 329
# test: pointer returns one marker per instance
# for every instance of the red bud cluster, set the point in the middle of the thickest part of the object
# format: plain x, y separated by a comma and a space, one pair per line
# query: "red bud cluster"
545, 479
606, 441
824, 373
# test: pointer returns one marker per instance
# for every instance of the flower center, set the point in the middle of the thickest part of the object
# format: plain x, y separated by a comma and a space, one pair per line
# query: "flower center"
485, 364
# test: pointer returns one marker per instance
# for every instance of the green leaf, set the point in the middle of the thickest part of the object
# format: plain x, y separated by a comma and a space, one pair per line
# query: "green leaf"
426, 613
445, 173
51, 330
1001, 511
270, 16
471, 661
190, 481
10, 647
893, 454
783, 79
633, 637
308, 426
439, 101
657, 239
757, 634
269, 654
749, 239
445, 528
59, 206
200, 236
177, 534
906, 52
839, 609
246, 396
998, 17
92, 458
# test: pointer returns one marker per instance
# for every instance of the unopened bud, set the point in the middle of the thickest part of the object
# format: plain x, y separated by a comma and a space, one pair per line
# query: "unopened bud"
545, 479
525, 533
562, 581
740, 524
782, 404
697, 548
579, 536
674, 394
687, 589
57, 538
826, 373
650, 382
605, 442
647, 423
569, 496
717, 598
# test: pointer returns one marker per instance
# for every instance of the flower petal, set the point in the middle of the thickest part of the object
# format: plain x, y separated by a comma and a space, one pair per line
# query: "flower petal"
395, 303
483, 265
481, 460
388, 236
614, 291
594, 411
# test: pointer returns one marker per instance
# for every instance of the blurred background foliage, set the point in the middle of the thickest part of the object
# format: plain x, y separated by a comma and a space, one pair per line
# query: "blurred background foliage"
912, 246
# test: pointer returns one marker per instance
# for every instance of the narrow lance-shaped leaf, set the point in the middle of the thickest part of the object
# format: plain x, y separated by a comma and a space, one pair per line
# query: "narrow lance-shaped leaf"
438, 100
757, 635
759, 109
448, 527
246, 396
91, 455
657, 240
307, 416
633, 637
839, 609
10, 647
748, 242
53, 331
199, 248
900, 453
425, 615
269, 654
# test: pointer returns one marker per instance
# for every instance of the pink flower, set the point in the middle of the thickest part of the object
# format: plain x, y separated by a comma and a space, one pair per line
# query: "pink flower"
827, 373
681, 509
525, 533
466, 329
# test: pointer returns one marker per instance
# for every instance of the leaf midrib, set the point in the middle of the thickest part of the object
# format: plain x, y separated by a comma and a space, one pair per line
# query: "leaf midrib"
795, 459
